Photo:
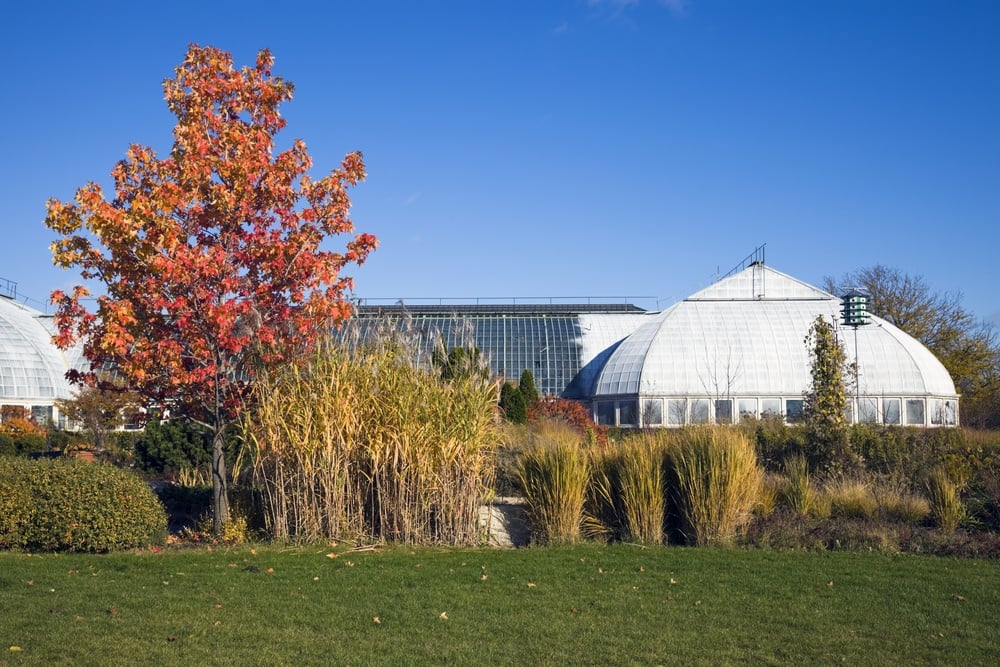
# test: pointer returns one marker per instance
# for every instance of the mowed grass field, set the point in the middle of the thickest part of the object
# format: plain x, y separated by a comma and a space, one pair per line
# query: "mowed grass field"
580, 605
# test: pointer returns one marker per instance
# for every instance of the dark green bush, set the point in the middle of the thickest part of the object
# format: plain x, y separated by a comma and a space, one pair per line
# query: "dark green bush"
73, 505
22, 445
169, 447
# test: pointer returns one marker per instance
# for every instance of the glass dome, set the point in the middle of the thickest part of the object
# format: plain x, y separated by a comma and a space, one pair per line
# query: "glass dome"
32, 369
737, 348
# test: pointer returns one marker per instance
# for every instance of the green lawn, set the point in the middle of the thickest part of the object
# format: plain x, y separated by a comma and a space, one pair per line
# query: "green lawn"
576, 605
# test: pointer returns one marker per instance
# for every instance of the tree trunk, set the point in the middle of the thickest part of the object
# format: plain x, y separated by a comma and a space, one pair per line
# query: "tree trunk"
220, 492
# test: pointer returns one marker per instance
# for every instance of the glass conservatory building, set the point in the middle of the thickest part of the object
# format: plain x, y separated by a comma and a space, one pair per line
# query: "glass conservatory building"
732, 350
737, 348
32, 369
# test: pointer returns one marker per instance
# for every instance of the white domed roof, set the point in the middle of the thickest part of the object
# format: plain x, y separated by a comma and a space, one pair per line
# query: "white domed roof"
745, 335
32, 369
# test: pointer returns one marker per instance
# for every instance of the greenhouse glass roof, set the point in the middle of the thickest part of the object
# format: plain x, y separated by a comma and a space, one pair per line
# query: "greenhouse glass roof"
32, 369
745, 336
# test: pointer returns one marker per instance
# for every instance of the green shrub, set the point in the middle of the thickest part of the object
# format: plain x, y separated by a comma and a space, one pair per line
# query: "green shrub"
715, 480
72, 505
169, 447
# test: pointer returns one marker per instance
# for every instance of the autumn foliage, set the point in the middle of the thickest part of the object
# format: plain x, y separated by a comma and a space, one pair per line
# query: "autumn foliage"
571, 412
210, 259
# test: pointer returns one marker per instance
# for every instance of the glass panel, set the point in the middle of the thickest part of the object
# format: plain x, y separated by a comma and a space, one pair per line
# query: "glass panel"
606, 413
869, 410
748, 408
770, 406
890, 410
676, 411
42, 414
915, 411
626, 413
951, 413
652, 412
793, 409
724, 411
699, 411
937, 411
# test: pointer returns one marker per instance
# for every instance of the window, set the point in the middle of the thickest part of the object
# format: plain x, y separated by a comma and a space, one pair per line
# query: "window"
793, 409
42, 414
652, 412
869, 410
937, 411
606, 413
915, 411
699, 411
748, 408
724, 411
951, 413
676, 411
770, 407
626, 413
890, 411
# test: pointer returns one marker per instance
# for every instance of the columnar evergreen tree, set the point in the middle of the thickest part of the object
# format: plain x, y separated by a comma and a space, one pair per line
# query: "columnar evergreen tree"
825, 405
527, 388
209, 259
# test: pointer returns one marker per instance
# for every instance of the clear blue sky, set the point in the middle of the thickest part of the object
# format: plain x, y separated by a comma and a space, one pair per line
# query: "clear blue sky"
561, 148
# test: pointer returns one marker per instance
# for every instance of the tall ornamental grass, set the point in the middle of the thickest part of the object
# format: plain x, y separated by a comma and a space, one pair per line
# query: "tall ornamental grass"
946, 506
365, 440
715, 484
554, 475
629, 489
800, 496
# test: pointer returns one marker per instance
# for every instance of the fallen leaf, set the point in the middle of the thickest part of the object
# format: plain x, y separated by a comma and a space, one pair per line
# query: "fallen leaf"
332, 554
217, 606
113, 611
315, 578
958, 598
376, 620
350, 564
642, 569
531, 584
270, 570
217, 623
574, 610
673, 581
444, 615
483, 576
15, 649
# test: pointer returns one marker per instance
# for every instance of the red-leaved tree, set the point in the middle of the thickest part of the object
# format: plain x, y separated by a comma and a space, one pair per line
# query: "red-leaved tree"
210, 259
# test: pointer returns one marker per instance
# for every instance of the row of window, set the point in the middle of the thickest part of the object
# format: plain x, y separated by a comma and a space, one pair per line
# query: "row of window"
682, 411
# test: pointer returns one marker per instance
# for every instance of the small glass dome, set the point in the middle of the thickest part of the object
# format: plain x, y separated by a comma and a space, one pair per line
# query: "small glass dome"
32, 369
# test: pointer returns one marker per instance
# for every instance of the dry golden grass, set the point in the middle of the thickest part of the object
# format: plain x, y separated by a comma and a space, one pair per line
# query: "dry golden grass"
367, 441
851, 498
716, 483
554, 474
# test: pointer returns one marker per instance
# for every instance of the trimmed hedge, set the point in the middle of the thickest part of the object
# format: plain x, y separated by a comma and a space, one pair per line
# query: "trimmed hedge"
72, 505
